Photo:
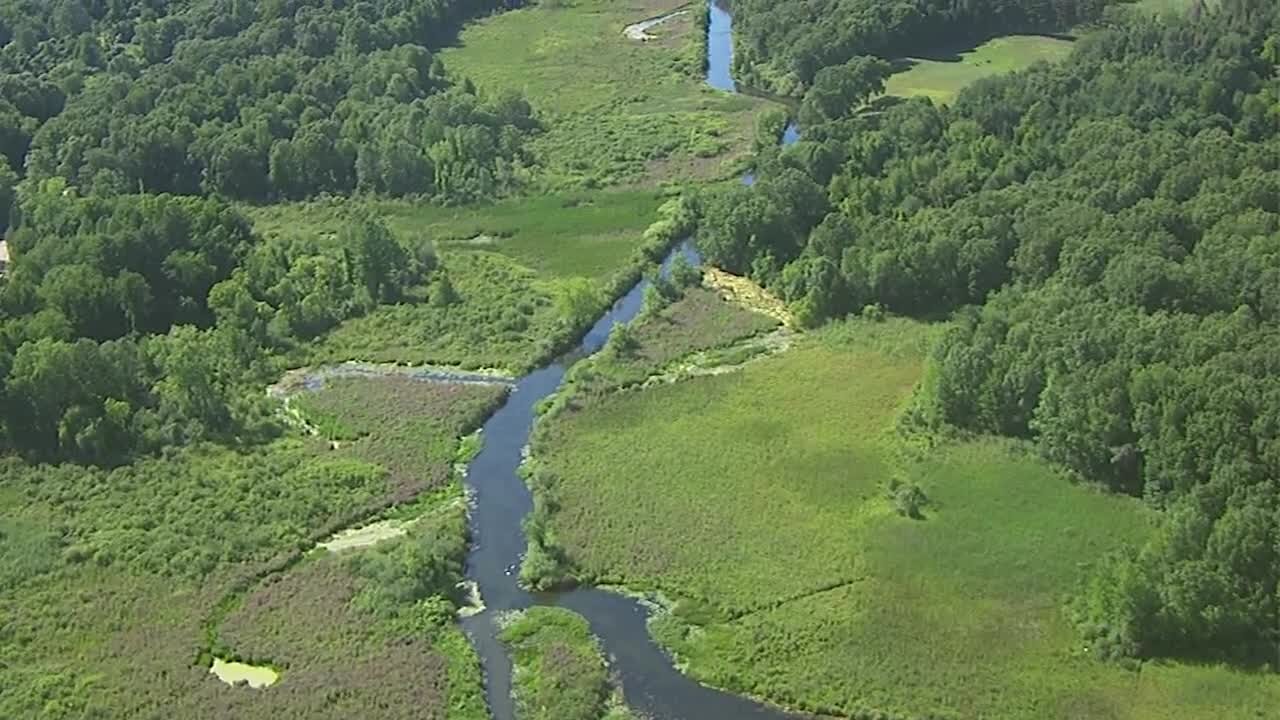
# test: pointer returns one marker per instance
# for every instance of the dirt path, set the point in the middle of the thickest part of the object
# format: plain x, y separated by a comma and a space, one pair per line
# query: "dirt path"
639, 31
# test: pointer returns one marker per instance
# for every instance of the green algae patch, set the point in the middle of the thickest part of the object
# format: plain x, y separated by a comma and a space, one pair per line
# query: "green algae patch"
234, 673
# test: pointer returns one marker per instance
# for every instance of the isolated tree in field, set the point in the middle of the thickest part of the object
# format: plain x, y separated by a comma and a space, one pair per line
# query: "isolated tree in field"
442, 293
577, 301
377, 259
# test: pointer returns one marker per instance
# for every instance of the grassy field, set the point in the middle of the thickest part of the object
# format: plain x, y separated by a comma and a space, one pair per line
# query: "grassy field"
758, 502
942, 79
637, 481
560, 673
508, 264
558, 235
1170, 6
111, 577
699, 320
616, 110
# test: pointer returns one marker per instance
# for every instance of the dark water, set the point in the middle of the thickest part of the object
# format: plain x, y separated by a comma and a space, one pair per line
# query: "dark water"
651, 685
720, 48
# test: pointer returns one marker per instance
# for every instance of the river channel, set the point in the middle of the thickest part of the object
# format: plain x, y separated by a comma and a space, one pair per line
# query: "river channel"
651, 685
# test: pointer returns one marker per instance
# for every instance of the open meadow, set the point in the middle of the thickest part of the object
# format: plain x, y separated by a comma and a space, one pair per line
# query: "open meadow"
942, 78
112, 584
616, 110
763, 505
510, 266
699, 321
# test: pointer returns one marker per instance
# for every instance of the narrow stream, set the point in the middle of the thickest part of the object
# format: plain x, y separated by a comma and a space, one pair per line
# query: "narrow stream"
651, 685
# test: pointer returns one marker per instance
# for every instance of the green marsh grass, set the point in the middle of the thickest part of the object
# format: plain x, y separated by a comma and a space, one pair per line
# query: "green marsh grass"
757, 501
560, 673
616, 110
742, 490
557, 235
123, 570
699, 320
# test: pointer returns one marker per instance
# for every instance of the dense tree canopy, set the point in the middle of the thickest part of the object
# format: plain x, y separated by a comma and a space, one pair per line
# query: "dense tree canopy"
140, 310
1108, 231
132, 323
254, 101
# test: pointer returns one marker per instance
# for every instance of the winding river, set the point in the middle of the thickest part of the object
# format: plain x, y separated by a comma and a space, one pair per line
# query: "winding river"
651, 685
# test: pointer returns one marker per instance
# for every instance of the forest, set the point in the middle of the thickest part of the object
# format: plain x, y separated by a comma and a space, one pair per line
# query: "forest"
142, 306
1107, 232
254, 101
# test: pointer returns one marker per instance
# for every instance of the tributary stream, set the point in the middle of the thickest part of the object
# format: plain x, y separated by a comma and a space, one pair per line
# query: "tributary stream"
651, 685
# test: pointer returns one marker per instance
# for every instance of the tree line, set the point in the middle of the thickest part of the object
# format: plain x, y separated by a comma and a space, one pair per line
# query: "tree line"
780, 47
134, 323
140, 310
1106, 235
253, 101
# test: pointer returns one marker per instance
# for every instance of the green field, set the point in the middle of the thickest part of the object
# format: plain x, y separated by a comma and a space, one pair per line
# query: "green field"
508, 265
113, 591
615, 110
758, 501
560, 672
942, 80
1170, 6
698, 321
559, 235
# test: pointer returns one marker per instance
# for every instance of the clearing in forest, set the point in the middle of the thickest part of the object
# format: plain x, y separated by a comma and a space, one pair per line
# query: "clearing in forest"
760, 502
942, 78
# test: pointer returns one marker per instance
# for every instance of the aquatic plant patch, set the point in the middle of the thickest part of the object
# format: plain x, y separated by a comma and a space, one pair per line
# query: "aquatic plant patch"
560, 673
699, 320
408, 426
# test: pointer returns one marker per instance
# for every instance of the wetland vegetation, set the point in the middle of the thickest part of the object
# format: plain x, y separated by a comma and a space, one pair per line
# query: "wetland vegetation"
971, 411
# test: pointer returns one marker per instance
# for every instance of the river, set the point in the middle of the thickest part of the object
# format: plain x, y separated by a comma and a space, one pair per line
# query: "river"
651, 685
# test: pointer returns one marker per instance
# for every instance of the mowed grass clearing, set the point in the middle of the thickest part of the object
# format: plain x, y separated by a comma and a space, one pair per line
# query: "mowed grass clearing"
757, 501
616, 110
942, 80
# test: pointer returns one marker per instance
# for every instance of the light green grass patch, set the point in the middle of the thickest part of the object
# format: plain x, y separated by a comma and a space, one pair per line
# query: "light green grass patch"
942, 80
1170, 6
505, 260
503, 316
616, 110
371, 534
961, 613
743, 490
558, 235
255, 676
